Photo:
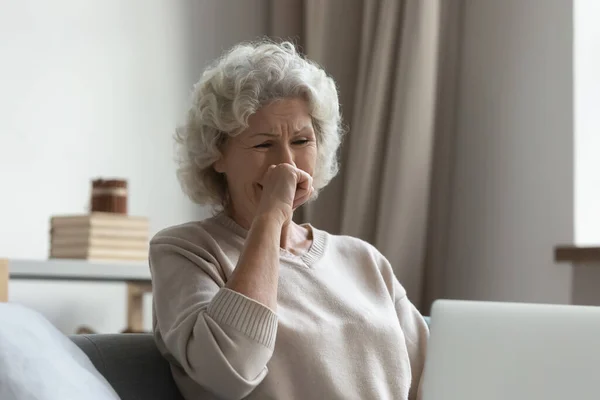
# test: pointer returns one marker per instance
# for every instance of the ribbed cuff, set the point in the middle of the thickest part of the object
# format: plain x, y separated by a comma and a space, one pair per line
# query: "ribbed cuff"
244, 314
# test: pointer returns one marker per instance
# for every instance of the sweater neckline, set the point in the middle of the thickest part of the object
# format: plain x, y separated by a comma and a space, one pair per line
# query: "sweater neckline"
309, 257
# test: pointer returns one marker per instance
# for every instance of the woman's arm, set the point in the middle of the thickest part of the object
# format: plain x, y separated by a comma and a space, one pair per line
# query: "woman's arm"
221, 339
414, 326
256, 275
257, 272
416, 334
222, 331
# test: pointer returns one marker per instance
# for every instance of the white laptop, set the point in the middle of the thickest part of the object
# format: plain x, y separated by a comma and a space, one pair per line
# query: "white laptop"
512, 351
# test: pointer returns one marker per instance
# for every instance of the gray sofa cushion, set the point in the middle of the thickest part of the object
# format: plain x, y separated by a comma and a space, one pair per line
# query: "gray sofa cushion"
132, 365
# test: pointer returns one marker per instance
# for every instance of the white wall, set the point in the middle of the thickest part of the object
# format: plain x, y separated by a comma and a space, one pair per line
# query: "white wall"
587, 122
90, 89
512, 200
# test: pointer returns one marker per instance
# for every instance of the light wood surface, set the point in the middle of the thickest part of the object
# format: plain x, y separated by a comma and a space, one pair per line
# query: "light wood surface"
585, 262
135, 305
3, 280
577, 254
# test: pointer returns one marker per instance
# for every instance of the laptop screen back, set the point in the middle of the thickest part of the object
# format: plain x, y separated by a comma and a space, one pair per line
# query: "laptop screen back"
516, 351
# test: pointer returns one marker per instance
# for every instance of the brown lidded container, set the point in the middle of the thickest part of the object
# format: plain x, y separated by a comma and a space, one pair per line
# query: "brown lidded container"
109, 195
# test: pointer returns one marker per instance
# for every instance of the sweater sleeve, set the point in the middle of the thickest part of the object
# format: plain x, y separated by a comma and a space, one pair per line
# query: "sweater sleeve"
416, 334
412, 323
220, 338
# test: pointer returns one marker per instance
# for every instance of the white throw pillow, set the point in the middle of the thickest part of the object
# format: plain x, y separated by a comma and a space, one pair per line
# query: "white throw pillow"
38, 362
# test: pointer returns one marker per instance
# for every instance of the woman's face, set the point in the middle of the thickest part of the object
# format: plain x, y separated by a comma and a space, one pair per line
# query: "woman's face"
281, 132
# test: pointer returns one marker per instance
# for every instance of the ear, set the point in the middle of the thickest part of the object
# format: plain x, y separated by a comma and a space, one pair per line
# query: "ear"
219, 166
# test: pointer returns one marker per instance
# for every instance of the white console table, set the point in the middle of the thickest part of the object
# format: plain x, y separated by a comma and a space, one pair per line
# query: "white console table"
135, 274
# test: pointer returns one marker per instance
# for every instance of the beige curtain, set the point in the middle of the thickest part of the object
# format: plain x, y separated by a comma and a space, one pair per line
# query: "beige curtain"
394, 62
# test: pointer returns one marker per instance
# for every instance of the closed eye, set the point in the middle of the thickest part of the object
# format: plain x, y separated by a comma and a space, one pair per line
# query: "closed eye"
267, 145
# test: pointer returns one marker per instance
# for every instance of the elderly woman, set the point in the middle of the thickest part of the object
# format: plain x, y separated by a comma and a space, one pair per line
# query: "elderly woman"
248, 304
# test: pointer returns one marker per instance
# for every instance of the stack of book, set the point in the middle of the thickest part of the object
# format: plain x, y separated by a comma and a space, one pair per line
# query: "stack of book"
99, 236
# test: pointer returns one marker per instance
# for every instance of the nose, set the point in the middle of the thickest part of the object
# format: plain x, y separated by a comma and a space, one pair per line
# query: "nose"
286, 155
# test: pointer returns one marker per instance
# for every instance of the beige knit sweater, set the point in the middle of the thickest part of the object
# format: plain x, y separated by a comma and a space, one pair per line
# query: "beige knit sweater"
344, 328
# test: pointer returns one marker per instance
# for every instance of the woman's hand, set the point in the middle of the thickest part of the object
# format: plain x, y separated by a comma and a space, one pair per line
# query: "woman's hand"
284, 188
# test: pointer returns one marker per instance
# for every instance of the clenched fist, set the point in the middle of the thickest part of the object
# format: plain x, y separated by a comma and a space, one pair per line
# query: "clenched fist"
284, 189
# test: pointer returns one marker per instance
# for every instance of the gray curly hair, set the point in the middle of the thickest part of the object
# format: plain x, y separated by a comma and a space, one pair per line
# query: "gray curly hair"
235, 86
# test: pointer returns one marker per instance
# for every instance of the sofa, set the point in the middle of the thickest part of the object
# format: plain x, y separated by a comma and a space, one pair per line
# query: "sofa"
132, 364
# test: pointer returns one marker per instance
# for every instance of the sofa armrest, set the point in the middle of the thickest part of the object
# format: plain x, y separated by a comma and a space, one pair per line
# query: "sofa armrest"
132, 364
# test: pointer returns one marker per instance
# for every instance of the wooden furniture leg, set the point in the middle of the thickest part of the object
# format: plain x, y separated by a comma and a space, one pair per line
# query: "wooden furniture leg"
3, 280
135, 305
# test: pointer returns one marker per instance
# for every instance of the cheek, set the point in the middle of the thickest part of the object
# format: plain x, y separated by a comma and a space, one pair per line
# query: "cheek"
307, 160
251, 167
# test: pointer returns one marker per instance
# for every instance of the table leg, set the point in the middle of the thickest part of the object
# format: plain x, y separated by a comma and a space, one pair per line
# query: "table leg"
3, 280
584, 286
135, 305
